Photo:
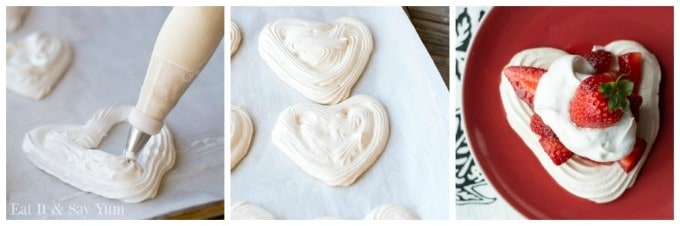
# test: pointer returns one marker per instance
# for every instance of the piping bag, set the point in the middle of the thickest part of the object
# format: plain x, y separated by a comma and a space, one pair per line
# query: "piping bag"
184, 45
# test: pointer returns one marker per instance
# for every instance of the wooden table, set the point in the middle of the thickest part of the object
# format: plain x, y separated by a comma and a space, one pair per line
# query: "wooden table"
432, 25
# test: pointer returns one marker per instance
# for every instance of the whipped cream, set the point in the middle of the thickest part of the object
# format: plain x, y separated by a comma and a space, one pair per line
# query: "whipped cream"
69, 153
391, 212
241, 134
36, 63
599, 183
249, 211
235, 36
335, 144
322, 61
553, 100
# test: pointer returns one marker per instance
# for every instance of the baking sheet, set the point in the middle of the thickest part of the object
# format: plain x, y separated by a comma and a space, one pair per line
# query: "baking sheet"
112, 47
413, 169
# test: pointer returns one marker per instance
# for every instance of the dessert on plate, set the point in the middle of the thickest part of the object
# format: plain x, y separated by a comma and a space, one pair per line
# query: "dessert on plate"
590, 120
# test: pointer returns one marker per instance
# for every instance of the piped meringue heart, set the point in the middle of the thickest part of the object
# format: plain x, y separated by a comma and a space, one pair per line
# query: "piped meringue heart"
391, 212
322, 61
241, 134
598, 183
235, 36
335, 144
69, 153
36, 63
249, 211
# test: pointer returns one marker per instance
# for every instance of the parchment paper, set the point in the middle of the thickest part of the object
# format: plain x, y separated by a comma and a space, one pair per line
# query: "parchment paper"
413, 171
112, 47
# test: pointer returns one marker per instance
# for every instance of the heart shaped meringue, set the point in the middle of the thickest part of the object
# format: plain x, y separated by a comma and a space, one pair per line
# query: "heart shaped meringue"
391, 212
322, 61
68, 153
335, 144
580, 177
241, 134
235, 36
249, 211
36, 63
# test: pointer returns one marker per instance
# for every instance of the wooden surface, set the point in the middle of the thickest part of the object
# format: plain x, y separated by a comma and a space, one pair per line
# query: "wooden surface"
208, 211
432, 25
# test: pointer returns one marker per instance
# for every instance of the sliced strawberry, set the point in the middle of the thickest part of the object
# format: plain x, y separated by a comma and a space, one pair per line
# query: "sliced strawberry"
631, 160
635, 103
596, 162
599, 101
541, 128
524, 80
631, 65
600, 59
556, 150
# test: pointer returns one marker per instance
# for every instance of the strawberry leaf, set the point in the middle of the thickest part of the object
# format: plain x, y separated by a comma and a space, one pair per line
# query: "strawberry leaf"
626, 86
617, 93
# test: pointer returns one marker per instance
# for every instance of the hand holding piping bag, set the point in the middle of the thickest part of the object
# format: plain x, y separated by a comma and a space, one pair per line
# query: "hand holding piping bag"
184, 45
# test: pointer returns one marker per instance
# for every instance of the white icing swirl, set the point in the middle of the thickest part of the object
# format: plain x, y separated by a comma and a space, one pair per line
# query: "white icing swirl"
235, 36
599, 183
241, 134
36, 63
335, 144
15, 17
68, 153
391, 212
322, 61
249, 211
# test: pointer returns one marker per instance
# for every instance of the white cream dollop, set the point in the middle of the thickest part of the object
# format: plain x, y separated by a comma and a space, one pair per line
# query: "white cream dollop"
249, 211
241, 134
69, 153
552, 102
36, 63
599, 183
391, 212
322, 61
335, 144
235, 36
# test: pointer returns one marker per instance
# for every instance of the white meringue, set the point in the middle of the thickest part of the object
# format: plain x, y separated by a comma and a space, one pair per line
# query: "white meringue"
241, 134
69, 153
598, 183
36, 63
235, 37
335, 144
15, 17
391, 212
322, 61
249, 211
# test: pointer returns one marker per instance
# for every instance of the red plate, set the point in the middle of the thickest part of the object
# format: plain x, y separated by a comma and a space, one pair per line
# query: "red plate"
508, 163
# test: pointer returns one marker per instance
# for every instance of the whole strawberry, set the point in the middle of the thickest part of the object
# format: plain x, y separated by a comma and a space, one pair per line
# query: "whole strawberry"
600, 101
